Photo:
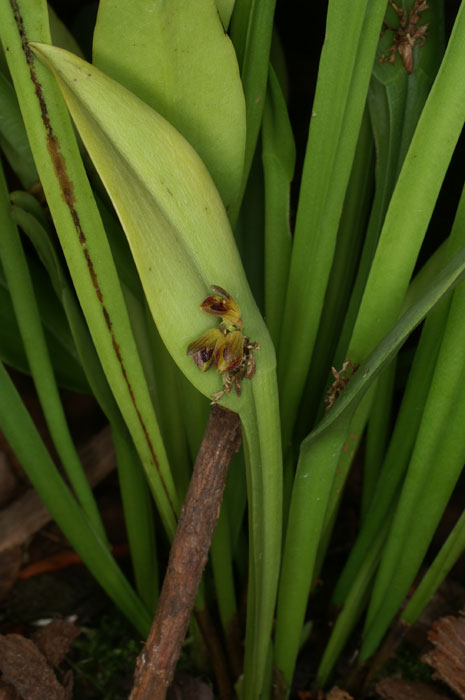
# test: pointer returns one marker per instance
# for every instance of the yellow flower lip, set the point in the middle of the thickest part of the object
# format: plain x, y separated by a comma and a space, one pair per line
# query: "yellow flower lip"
230, 352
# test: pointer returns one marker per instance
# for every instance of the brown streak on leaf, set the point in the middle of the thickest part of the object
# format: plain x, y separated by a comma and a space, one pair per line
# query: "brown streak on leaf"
67, 191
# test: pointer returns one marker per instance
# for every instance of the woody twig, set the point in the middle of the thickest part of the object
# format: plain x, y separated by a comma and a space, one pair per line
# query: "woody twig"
157, 661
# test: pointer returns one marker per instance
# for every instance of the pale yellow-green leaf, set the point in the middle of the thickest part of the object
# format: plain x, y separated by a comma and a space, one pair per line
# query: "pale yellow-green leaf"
172, 214
176, 56
182, 243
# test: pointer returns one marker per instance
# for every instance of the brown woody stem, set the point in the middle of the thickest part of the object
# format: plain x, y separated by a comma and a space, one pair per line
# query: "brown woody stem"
157, 662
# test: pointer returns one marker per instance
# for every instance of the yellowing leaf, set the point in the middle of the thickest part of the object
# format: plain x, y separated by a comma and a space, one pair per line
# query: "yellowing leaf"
171, 212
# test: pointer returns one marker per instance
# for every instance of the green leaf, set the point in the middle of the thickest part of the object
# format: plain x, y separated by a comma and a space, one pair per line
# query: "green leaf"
278, 157
43, 245
13, 139
353, 608
181, 242
317, 465
343, 76
435, 465
449, 553
176, 57
61, 36
19, 281
66, 366
134, 487
173, 217
82, 237
417, 189
251, 31
395, 100
28, 203
24, 439
225, 8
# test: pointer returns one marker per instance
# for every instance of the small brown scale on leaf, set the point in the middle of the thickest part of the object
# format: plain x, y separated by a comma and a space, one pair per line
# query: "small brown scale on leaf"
226, 347
407, 34
341, 379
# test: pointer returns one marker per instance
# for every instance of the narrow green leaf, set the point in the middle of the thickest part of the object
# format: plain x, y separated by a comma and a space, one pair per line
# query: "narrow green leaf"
411, 410
395, 101
27, 444
425, 275
443, 283
22, 294
249, 231
417, 190
353, 608
83, 239
239, 24
254, 59
351, 231
390, 279
377, 434
223, 573
66, 365
319, 456
134, 488
306, 518
278, 157
13, 139
43, 245
261, 434
28, 203
448, 555
434, 468
344, 72
138, 516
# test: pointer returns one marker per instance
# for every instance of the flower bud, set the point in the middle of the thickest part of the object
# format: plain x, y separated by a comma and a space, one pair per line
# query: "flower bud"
222, 304
230, 352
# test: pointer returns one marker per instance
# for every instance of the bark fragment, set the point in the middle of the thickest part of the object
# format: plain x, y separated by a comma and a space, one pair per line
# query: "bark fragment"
448, 656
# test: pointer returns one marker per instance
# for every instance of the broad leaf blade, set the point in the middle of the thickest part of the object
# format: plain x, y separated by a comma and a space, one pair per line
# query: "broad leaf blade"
177, 58
182, 243
172, 214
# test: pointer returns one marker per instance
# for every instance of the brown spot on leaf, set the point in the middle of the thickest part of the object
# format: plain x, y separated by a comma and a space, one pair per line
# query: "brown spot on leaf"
341, 379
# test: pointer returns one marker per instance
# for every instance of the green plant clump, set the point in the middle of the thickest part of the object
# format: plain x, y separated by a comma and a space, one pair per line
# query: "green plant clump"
151, 254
